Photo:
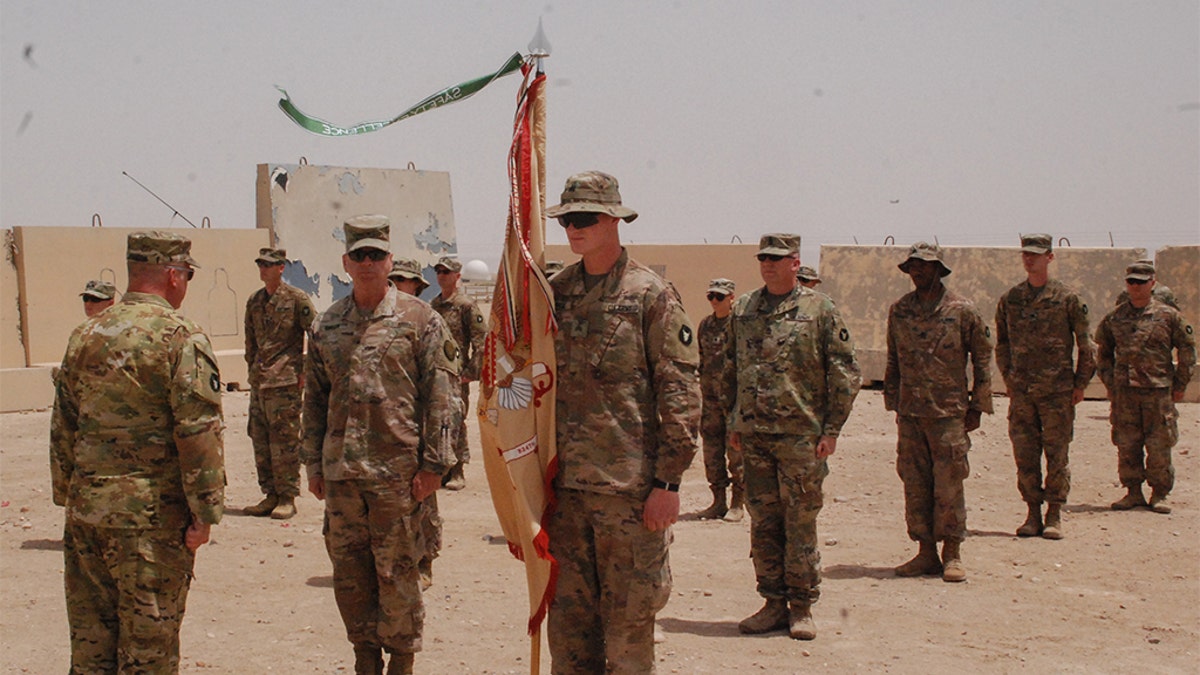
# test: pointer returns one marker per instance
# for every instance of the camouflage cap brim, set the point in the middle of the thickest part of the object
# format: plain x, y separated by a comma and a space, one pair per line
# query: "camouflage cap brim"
370, 243
615, 210
945, 272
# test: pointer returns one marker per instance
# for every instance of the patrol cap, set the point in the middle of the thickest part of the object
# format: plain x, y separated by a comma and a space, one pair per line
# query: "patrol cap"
99, 291
159, 248
925, 251
1142, 270
722, 286
407, 268
779, 244
367, 232
271, 256
452, 264
806, 273
1036, 243
592, 192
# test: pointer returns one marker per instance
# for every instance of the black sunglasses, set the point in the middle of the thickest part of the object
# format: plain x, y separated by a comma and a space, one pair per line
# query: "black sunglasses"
263, 263
372, 254
1137, 282
578, 220
716, 296
191, 272
763, 257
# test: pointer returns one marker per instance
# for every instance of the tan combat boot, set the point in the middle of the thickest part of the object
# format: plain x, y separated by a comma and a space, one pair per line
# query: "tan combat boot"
401, 663
455, 480
736, 506
1032, 526
1053, 528
367, 660
772, 616
717, 509
1132, 499
286, 508
800, 621
952, 567
263, 508
1158, 502
925, 562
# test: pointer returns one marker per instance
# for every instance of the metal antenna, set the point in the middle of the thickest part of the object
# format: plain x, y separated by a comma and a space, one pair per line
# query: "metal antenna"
175, 210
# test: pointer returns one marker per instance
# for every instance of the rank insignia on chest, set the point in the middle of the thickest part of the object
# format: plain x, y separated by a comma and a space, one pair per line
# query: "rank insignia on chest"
579, 329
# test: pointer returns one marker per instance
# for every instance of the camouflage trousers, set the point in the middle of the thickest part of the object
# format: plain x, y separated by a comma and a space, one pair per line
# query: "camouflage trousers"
931, 459
1144, 429
431, 527
274, 429
126, 591
722, 463
461, 452
614, 575
373, 536
1037, 426
783, 495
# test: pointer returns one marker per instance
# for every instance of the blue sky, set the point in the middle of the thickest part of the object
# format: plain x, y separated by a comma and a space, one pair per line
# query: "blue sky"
965, 121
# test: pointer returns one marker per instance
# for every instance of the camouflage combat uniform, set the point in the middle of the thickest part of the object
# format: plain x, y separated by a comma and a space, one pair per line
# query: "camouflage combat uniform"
722, 462
628, 408
925, 383
469, 329
791, 378
276, 324
136, 457
380, 396
1134, 349
1037, 332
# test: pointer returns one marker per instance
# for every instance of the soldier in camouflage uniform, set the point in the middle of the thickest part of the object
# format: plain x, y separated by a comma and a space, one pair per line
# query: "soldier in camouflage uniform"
278, 316
380, 398
97, 297
790, 380
469, 329
808, 277
1039, 325
1160, 292
931, 334
406, 277
1134, 348
136, 459
711, 335
628, 408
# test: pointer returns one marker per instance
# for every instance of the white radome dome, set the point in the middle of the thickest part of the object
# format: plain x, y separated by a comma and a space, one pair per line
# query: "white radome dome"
476, 270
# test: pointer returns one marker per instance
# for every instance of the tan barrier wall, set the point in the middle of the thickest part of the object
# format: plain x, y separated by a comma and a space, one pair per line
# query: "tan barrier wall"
12, 349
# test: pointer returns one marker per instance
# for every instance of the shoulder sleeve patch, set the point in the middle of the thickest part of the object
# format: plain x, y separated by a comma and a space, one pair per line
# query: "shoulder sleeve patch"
987, 331
686, 336
1085, 309
1187, 329
844, 334
450, 348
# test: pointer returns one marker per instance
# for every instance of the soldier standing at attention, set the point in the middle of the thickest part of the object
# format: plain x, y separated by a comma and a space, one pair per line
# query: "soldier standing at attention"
931, 334
380, 399
1039, 324
406, 277
97, 297
136, 459
1134, 348
278, 316
628, 408
711, 335
790, 379
808, 277
469, 329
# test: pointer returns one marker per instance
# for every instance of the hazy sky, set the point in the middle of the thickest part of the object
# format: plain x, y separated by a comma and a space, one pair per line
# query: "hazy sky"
966, 121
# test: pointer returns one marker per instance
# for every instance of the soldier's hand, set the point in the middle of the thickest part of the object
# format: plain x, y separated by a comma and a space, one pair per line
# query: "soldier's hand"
1177, 396
973, 419
826, 446
1077, 396
316, 485
735, 440
661, 509
424, 484
196, 535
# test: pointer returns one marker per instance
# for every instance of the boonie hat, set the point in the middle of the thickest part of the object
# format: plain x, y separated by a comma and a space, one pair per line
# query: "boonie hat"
925, 251
159, 248
1036, 243
779, 244
722, 286
592, 192
452, 264
367, 232
407, 268
1142, 270
806, 273
99, 291
272, 256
